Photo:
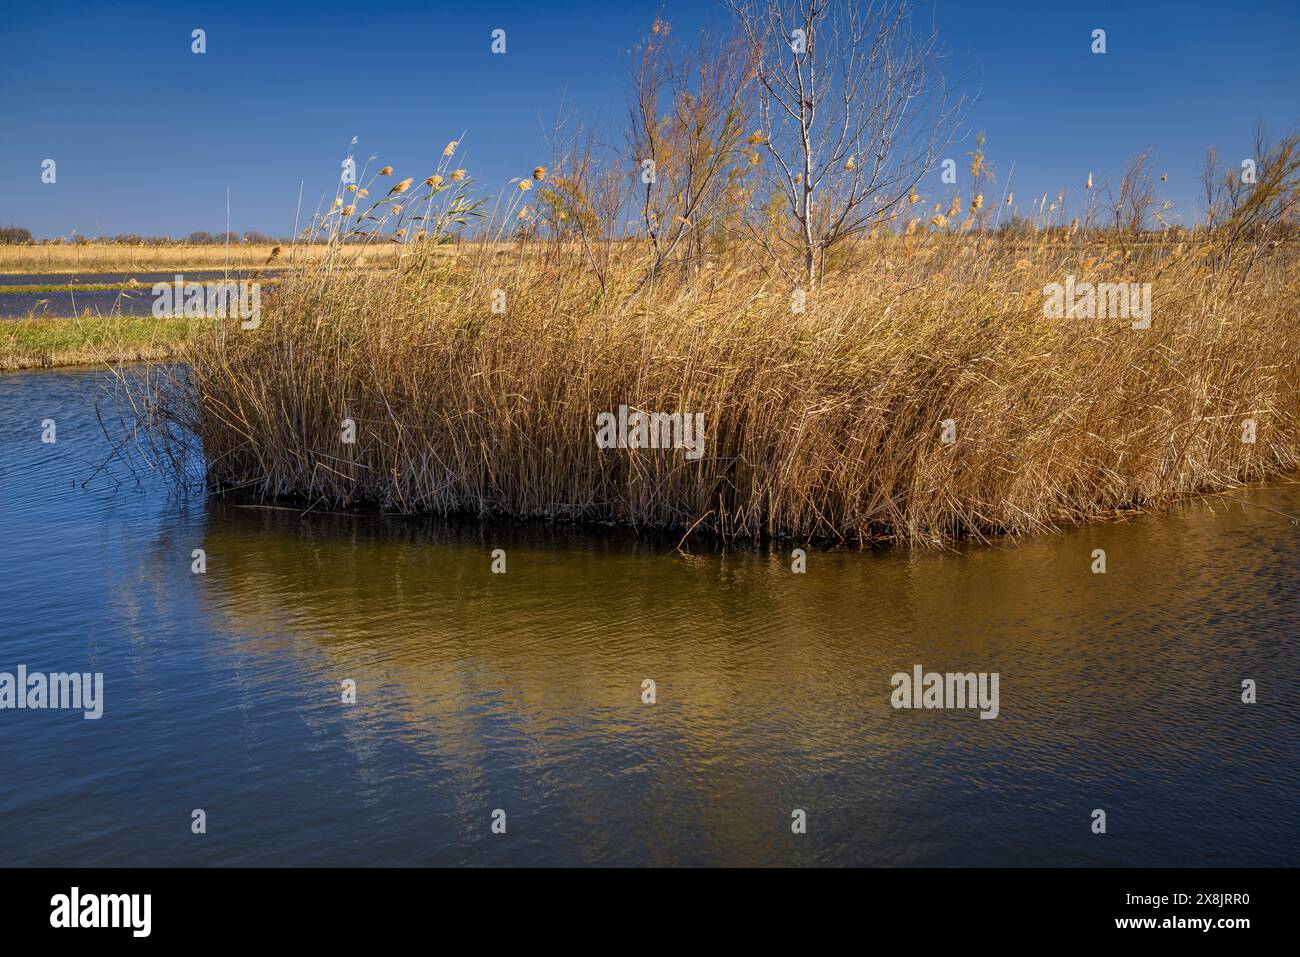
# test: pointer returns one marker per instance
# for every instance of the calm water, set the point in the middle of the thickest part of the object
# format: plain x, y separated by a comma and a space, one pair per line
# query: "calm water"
522, 691
20, 305
72, 301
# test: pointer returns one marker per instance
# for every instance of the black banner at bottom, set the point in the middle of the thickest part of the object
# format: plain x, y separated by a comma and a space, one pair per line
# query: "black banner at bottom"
305, 906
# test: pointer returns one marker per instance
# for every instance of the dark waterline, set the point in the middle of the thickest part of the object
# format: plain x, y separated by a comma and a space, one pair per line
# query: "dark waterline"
522, 691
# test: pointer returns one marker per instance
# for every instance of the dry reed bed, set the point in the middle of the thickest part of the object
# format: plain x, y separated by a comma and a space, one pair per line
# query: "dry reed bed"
821, 425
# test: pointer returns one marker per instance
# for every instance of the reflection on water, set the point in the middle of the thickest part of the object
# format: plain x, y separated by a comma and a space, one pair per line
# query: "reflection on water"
522, 691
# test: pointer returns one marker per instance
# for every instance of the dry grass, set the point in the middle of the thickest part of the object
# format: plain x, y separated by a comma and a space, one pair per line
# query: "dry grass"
820, 425
110, 257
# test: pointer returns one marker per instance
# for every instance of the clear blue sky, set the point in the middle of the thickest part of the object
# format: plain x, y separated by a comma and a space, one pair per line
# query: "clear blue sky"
148, 136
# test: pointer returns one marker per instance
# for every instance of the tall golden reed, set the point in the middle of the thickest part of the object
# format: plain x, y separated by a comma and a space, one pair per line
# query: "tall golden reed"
820, 425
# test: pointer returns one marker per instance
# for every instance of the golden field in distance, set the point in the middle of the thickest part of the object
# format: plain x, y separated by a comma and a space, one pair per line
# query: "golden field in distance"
112, 257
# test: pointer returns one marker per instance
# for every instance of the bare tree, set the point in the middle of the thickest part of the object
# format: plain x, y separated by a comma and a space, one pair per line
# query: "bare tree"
1131, 205
580, 201
686, 125
852, 110
1262, 204
1214, 185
